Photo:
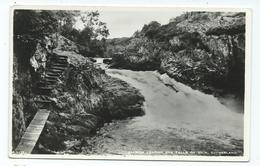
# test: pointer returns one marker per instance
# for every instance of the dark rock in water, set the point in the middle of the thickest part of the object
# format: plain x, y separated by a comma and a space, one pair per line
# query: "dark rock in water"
107, 61
122, 101
93, 60
172, 87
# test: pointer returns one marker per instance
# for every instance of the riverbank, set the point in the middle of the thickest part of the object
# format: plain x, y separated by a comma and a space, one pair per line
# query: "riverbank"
182, 122
82, 99
88, 98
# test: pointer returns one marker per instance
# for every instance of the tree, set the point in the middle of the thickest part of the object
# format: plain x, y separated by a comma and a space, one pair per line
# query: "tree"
39, 23
151, 29
91, 20
34, 23
92, 36
72, 34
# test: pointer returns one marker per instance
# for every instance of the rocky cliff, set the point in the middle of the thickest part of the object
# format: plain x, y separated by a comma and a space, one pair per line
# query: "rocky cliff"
205, 50
80, 96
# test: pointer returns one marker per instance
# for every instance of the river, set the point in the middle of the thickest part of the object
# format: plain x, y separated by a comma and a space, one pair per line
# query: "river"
178, 121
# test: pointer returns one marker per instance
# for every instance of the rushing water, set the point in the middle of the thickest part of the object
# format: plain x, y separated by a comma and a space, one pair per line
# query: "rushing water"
178, 120
99, 62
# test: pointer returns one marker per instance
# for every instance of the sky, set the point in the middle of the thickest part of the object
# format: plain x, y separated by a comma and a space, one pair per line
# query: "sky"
123, 22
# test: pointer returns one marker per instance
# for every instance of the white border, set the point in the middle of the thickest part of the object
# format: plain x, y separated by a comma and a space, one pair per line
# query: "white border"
145, 157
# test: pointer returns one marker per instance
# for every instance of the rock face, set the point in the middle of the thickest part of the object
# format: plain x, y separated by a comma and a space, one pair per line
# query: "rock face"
18, 118
205, 50
23, 107
81, 98
84, 100
212, 54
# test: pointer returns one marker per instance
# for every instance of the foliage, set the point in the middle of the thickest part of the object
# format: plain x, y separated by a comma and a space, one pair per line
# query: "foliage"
151, 29
92, 36
38, 23
203, 49
34, 25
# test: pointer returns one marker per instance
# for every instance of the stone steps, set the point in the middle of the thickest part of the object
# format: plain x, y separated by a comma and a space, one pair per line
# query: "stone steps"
58, 55
43, 100
58, 68
60, 60
55, 70
52, 74
44, 83
49, 82
51, 79
59, 65
45, 86
43, 97
43, 89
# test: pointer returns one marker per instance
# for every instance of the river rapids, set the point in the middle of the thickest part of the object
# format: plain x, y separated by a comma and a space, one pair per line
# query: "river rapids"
178, 120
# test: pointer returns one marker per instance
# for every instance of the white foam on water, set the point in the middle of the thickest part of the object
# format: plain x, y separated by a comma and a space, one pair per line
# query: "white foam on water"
186, 109
99, 62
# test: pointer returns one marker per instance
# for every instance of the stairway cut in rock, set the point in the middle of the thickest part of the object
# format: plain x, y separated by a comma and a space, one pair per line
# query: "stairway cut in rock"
54, 70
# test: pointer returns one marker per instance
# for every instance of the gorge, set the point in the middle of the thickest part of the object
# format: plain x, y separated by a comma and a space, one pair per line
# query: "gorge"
173, 89
174, 121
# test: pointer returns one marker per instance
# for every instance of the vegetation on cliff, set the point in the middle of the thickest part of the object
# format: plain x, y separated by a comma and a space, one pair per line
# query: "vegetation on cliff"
83, 97
205, 50
84, 100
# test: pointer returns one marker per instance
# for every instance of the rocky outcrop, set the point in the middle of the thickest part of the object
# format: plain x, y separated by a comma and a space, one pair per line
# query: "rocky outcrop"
18, 122
85, 99
205, 50
80, 96
209, 53
23, 107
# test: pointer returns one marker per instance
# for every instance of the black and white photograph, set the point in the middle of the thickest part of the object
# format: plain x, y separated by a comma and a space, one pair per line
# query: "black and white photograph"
146, 83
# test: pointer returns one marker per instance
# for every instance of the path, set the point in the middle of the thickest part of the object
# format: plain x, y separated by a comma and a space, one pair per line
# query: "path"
54, 70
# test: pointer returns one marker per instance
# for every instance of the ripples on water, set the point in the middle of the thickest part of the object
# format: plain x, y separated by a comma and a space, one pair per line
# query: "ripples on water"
187, 122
